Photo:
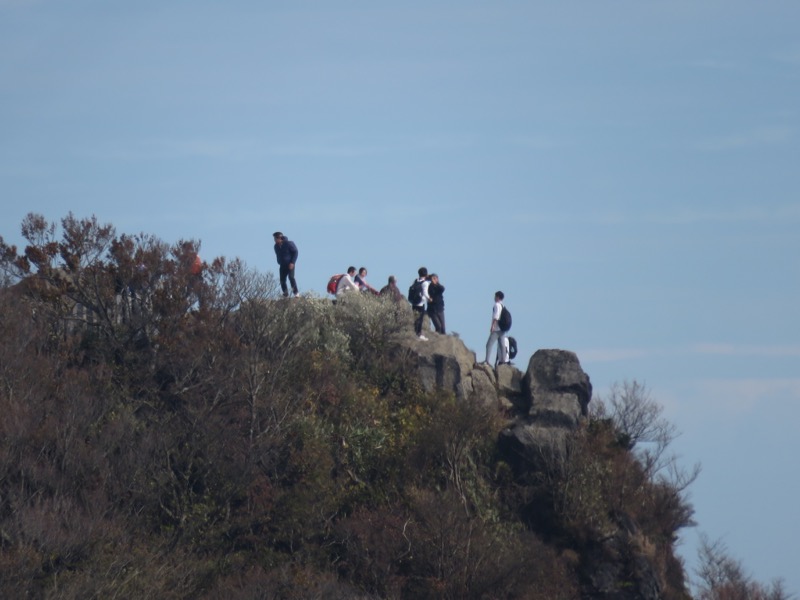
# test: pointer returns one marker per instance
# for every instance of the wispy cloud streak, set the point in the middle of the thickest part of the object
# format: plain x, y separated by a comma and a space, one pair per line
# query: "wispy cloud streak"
677, 216
737, 396
759, 137
726, 349
721, 349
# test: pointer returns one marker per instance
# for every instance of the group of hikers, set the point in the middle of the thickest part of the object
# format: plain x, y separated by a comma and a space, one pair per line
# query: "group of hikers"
426, 296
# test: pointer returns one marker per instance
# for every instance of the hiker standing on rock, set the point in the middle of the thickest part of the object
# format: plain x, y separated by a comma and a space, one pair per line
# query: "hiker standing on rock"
417, 296
436, 303
286, 253
497, 333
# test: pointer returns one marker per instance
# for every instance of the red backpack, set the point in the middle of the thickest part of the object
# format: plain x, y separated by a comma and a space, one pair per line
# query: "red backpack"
333, 283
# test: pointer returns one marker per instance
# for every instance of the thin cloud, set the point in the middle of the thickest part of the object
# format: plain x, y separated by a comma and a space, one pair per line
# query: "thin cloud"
175, 149
333, 146
789, 56
678, 216
765, 351
721, 349
756, 138
613, 354
244, 149
715, 64
737, 396
321, 149
745, 214
540, 142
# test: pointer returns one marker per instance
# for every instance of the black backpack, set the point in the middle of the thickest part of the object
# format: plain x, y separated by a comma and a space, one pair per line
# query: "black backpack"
512, 347
504, 322
415, 292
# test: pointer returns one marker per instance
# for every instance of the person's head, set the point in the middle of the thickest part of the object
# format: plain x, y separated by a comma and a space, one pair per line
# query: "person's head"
351, 270
423, 272
434, 277
498, 296
278, 237
392, 280
362, 271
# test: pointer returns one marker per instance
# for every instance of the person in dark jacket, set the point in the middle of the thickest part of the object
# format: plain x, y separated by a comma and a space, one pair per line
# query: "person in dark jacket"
286, 253
361, 282
436, 304
390, 290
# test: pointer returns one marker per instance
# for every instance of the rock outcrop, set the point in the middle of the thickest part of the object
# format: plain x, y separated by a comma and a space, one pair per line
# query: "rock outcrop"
556, 394
544, 406
554, 391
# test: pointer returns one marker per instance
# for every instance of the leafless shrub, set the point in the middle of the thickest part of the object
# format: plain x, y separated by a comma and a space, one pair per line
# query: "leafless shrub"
640, 427
722, 577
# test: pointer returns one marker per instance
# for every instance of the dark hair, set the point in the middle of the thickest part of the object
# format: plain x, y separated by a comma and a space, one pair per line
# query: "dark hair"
392, 279
432, 275
500, 295
423, 272
277, 234
350, 269
362, 269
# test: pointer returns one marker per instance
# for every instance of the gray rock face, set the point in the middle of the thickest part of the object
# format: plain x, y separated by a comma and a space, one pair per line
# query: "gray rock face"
553, 392
444, 362
556, 394
557, 388
544, 406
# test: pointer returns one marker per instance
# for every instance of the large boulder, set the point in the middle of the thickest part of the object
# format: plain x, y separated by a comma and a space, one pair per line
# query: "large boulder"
556, 394
556, 389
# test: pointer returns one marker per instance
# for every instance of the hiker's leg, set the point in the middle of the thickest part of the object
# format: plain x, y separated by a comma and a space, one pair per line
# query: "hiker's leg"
284, 272
419, 315
438, 321
490, 343
503, 347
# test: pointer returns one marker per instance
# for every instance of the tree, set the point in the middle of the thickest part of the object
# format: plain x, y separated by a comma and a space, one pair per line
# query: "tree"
724, 578
640, 427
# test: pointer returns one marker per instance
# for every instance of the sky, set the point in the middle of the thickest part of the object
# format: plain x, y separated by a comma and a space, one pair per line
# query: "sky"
625, 171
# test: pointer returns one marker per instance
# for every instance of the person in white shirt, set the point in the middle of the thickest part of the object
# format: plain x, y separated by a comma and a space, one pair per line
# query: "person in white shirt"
496, 334
347, 283
418, 304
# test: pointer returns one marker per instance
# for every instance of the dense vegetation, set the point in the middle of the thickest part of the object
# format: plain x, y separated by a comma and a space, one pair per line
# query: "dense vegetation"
169, 433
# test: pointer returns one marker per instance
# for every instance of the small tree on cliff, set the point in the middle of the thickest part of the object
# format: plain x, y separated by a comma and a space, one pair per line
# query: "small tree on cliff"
641, 428
724, 578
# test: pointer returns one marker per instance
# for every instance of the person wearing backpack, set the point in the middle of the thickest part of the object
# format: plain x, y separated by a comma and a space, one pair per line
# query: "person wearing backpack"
347, 283
417, 296
286, 253
501, 323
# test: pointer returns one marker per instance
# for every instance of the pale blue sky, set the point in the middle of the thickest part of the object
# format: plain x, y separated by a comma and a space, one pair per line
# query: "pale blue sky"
626, 171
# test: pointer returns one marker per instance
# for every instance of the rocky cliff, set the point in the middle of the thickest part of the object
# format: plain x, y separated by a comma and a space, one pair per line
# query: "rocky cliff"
543, 407
551, 396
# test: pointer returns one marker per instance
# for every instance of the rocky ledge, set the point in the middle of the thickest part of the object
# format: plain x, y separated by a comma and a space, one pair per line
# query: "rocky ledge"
543, 406
543, 403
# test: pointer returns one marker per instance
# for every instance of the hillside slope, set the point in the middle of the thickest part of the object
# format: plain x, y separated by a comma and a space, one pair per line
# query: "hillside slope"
170, 434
